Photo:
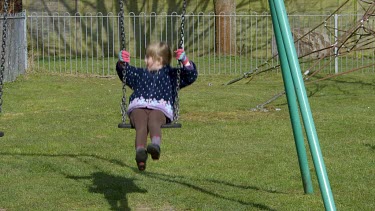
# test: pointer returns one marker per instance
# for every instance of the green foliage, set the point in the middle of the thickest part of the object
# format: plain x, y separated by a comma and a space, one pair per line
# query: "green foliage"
62, 148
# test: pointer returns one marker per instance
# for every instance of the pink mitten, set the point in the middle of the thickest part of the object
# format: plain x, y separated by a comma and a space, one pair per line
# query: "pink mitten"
181, 56
124, 56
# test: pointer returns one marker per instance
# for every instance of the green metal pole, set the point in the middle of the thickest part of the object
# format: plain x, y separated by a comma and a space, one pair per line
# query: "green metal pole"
292, 105
316, 153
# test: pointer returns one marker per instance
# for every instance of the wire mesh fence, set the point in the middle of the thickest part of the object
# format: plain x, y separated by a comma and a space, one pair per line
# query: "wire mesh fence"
219, 44
15, 46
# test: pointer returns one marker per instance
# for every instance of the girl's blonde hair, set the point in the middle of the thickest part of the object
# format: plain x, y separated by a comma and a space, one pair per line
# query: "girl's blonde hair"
159, 51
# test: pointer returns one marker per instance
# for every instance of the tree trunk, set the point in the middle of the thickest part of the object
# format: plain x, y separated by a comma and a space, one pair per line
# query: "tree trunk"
14, 6
225, 35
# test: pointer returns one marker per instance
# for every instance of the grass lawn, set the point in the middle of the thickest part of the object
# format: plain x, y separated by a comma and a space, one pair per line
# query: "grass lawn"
62, 149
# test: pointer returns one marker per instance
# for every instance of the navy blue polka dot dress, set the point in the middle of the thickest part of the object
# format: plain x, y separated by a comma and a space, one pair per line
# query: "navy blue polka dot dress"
155, 89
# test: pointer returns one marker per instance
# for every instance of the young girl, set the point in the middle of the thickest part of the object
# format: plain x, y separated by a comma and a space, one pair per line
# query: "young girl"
154, 90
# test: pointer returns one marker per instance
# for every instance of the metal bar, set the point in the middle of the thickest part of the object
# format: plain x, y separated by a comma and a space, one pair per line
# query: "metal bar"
42, 31
336, 48
102, 43
25, 40
92, 47
81, 35
87, 47
32, 40
37, 40
324, 184
292, 105
76, 43
54, 45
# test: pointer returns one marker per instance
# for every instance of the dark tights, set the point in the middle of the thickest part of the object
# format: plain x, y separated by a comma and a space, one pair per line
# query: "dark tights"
146, 121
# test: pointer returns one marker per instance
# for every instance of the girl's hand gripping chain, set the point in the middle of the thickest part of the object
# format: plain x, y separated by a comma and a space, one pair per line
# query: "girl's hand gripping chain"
181, 56
124, 56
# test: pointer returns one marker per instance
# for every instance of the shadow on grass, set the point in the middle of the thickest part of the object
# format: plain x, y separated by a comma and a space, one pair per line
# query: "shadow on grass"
174, 179
245, 187
314, 88
115, 188
371, 146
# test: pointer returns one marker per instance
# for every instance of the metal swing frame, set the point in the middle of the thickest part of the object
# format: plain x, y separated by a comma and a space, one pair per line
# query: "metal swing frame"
2, 65
174, 123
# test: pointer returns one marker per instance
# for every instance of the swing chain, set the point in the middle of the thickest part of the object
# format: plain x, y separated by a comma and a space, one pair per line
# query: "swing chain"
177, 100
122, 24
2, 65
182, 36
181, 45
123, 100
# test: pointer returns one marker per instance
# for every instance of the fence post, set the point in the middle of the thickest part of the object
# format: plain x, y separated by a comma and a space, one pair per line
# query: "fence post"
25, 38
336, 48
